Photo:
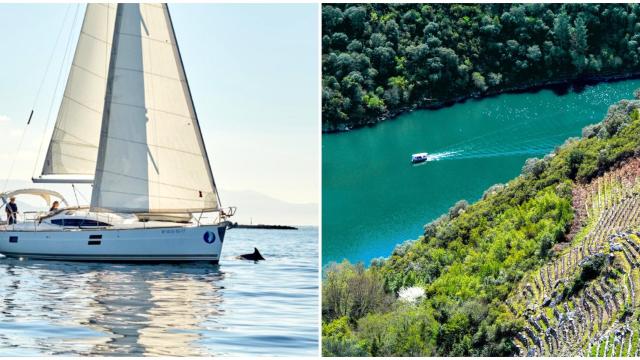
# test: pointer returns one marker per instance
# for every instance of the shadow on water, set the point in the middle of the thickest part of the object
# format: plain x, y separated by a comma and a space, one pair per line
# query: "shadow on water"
106, 309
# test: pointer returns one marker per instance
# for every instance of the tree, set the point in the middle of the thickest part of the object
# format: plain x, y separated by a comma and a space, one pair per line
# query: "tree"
339, 40
356, 16
458, 209
331, 17
579, 44
478, 81
534, 167
534, 53
561, 30
494, 79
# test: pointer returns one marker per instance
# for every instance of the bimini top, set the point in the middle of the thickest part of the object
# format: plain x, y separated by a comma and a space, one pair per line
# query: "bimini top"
43, 193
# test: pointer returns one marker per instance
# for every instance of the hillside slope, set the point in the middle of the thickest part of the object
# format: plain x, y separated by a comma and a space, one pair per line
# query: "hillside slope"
583, 301
543, 265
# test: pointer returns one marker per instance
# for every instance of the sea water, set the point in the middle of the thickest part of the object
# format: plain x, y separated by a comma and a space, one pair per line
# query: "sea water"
235, 308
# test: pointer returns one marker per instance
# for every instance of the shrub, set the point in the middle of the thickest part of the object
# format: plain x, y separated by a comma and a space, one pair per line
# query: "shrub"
349, 290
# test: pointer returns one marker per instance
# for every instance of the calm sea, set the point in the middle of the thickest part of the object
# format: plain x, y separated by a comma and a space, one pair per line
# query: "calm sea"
236, 308
373, 198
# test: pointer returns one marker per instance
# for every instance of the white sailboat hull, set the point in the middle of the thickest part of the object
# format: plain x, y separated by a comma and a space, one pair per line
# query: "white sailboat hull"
165, 244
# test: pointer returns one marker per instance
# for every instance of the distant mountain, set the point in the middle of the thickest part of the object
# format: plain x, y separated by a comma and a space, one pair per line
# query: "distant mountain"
254, 207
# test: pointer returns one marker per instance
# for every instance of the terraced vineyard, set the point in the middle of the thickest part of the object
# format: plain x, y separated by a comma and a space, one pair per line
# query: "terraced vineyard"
585, 300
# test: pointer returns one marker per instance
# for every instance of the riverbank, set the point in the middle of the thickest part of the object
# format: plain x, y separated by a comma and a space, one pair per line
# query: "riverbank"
561, 86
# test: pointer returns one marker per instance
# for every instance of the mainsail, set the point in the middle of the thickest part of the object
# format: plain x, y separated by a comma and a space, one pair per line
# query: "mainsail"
151, 156
73, 148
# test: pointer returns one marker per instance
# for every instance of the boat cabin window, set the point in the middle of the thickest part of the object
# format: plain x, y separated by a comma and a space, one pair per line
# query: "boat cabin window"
78, 222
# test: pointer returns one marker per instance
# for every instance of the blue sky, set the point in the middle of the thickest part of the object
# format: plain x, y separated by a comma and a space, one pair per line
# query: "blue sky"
252, 68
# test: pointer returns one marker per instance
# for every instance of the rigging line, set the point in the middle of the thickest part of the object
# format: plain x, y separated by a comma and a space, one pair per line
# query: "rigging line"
53, 51
13, 160
55, 90
84, 198
35, 100
75, 193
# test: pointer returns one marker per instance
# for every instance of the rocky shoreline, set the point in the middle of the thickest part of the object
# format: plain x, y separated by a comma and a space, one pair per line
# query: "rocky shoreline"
558, 85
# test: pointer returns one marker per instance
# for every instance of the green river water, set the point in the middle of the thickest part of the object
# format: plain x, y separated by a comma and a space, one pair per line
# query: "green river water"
374, 199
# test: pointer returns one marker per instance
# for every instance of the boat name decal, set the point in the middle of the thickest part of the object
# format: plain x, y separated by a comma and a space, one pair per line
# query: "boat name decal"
173, 231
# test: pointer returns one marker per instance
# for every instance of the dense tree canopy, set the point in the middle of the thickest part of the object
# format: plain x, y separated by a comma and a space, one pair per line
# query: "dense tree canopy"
379, 59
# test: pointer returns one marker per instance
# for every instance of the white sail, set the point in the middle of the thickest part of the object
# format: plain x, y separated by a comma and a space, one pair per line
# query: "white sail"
73, 149
151, 155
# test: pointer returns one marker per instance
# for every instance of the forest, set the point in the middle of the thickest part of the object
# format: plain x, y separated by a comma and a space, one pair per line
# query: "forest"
379, 60
455, 291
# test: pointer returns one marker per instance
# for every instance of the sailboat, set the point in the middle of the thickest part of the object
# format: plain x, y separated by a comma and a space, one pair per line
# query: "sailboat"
128, 126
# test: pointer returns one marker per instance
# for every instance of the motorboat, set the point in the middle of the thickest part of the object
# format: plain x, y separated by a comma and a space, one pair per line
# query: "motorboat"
419, 158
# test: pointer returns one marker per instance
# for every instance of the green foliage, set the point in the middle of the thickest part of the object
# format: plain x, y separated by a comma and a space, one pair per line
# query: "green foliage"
406, 331
338, 328
332, 347
416, 55
470, 260
350, 291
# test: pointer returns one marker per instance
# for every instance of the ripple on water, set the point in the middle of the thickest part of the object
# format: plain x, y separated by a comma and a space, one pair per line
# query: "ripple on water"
239, 307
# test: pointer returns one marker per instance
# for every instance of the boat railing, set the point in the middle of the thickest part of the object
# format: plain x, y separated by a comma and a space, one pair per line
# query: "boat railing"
32, 215
216, 217
36, 217
26, 217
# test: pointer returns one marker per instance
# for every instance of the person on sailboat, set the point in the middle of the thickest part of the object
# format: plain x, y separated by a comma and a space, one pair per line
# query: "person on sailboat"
54, 206
12, 210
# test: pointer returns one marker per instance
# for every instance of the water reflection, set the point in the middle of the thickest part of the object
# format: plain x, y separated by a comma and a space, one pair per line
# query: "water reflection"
104, 309
239, 308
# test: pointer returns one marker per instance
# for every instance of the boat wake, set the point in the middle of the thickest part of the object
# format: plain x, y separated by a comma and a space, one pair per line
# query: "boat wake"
442, 155
492, 146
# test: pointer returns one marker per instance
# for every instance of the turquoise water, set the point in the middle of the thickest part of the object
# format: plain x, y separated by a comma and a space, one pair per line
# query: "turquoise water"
236, 308
373, 198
